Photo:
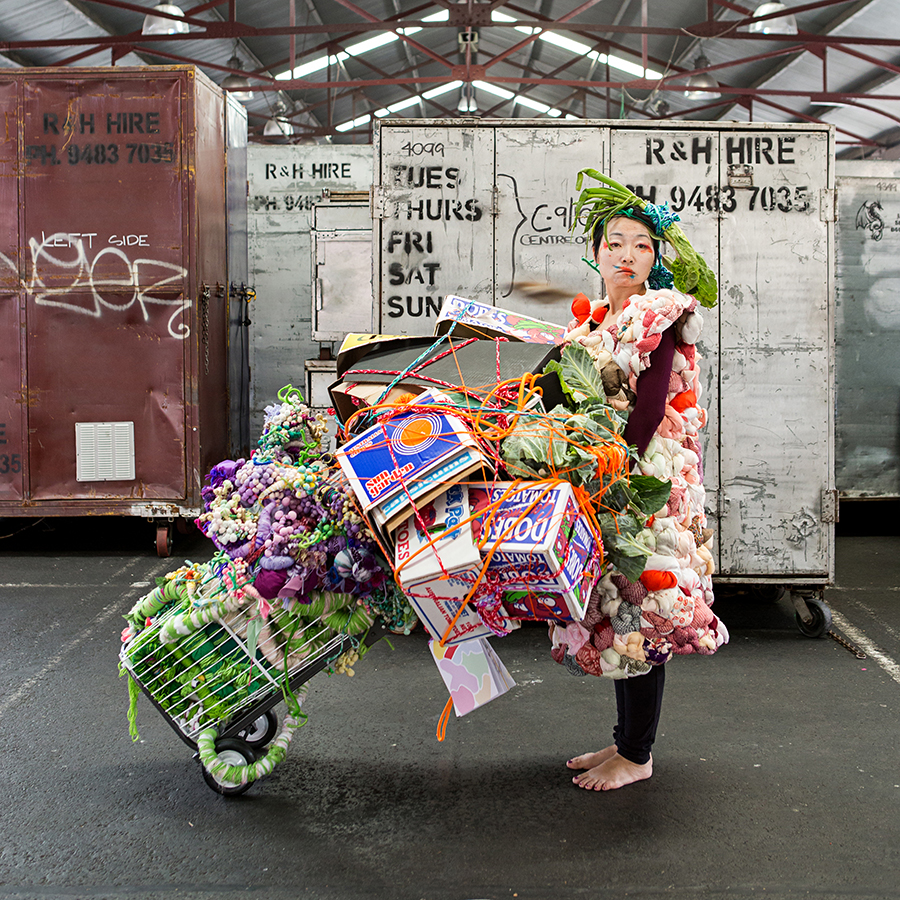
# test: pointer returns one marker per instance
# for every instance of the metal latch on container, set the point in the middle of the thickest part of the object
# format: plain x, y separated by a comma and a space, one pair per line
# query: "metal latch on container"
830, 506
740, 175
827, 205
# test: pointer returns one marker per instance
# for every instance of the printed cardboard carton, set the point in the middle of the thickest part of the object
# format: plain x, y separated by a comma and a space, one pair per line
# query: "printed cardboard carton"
436, 602
446, 546
473, 673
543, 541
400, 451
474, 319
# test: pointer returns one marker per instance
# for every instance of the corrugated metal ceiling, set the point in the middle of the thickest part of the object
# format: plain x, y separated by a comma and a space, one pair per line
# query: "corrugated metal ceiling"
532, 57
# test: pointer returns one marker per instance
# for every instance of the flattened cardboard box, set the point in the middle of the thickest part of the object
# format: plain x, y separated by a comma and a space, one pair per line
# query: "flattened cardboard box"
469, 318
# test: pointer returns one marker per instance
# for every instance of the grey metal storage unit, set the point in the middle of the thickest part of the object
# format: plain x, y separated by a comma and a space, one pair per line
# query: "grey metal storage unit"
473, 207
867, 329
285, 182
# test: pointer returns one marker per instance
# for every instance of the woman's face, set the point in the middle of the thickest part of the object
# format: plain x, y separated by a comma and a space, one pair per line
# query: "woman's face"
626, 255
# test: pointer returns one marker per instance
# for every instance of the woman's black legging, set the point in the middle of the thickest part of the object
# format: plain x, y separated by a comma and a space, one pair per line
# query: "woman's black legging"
638, 703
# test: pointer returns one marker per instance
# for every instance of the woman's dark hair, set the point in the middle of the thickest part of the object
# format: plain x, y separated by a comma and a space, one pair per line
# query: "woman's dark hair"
632, 213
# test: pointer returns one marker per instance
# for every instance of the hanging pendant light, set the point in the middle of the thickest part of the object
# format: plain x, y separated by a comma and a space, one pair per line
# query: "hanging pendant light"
467, 104
161, 25
702, 86
785, 24
239, 84
277, 127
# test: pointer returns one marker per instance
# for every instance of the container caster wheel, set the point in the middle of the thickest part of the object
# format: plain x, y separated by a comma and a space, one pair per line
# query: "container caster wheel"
819, 624
235, 752
183, 525
261, 732
770, 593
164, 540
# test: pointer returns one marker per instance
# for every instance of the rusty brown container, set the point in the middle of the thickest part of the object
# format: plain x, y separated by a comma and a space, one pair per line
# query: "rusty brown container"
114, 299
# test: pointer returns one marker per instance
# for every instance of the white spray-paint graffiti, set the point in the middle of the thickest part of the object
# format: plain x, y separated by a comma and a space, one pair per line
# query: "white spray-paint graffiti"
82, 279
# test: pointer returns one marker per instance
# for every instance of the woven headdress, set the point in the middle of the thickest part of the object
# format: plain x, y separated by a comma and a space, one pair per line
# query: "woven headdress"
689, 270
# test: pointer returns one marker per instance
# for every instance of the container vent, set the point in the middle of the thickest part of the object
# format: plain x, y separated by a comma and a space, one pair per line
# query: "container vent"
104, 451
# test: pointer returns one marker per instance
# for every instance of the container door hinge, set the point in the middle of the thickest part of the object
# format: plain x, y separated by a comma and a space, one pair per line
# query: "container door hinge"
204, 325
378, 202
830, 506
495, 201
827, 205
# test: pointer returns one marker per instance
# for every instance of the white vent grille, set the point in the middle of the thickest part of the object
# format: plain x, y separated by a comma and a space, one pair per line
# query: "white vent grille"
104, 451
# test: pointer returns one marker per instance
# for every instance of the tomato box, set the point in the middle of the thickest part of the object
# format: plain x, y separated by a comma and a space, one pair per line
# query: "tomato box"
542, 606
543, 542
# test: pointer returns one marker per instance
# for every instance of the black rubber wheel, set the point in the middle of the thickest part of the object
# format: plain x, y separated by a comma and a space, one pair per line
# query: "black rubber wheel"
262, 731
821, 620
237, 753
770, 593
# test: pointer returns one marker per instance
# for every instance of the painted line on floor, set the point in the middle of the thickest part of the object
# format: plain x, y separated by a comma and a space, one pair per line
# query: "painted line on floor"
103, 616
887, 629
859, 638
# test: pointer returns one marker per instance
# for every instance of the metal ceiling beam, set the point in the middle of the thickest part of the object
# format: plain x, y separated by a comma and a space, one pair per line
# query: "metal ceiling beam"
843, 16
478, 74
220, 30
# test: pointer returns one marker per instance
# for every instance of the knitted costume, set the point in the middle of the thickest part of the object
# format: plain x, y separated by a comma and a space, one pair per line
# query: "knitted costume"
629, 627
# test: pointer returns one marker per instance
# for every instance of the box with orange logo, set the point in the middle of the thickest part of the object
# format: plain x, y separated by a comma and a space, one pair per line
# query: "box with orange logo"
397, 455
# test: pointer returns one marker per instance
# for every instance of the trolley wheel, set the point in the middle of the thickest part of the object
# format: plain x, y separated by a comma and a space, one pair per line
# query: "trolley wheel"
821, 619
770, 593
235, 752
164, 540
183, 525
262, 731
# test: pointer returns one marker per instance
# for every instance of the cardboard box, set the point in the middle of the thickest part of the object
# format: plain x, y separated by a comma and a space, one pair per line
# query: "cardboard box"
399, 451
472, 672
436, 602
446, 547
543, 606
477, 365
426, 486
474, 319
543, 541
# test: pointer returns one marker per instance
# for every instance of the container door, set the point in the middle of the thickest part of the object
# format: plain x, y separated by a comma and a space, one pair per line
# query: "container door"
437, 233
536, 172
681, 168
12, 406
343, 283
106, 311
867, 330
776, 336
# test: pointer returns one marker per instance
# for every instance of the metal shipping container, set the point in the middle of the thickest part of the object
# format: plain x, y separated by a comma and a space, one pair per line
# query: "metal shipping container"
288, 332
114, 305
475, 208
867, 329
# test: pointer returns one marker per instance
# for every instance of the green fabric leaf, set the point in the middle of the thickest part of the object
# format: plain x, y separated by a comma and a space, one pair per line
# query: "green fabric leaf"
650, 494
254, 627
578, 376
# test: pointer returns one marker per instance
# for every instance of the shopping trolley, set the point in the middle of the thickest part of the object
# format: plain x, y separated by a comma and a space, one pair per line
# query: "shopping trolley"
215, 677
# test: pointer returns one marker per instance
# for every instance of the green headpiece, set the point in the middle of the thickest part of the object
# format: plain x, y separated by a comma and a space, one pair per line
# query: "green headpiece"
690, 272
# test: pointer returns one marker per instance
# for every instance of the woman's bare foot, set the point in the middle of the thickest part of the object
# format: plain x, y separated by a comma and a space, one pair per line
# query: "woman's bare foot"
612, 773
589, 760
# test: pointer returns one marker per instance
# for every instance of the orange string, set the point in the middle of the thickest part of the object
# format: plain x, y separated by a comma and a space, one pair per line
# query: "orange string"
444, 719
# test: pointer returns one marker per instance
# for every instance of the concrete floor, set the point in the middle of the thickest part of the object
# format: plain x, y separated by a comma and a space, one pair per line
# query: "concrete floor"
776, 771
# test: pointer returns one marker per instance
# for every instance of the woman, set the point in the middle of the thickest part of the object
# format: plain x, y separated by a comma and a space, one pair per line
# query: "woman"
641, 337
